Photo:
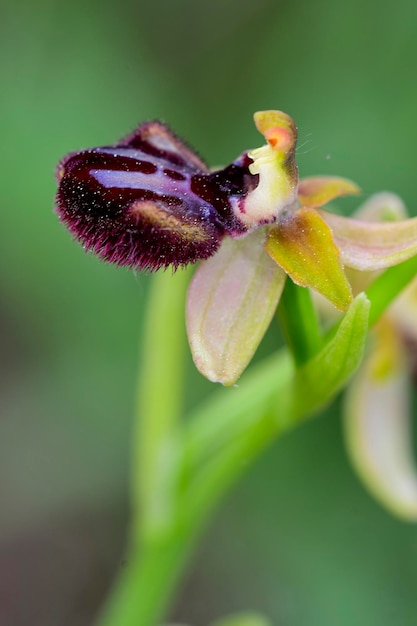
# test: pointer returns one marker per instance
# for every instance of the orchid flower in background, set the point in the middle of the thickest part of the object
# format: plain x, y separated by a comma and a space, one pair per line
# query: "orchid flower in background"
377, 402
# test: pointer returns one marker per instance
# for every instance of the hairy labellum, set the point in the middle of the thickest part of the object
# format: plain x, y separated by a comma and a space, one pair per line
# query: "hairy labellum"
150, 201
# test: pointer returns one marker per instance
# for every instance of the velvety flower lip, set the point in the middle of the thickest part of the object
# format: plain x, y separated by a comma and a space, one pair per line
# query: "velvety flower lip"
150, 201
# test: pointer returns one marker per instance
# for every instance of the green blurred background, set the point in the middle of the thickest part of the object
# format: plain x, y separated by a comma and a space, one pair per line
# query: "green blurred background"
299, 539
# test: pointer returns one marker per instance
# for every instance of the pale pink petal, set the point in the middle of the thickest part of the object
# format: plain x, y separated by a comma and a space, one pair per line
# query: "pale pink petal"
380, 207
369, 246
231, 301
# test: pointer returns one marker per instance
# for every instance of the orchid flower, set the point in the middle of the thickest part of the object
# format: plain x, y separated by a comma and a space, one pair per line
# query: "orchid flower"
150, 202
377, 407
234, 294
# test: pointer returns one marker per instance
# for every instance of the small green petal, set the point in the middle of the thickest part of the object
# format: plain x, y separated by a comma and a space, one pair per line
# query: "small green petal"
318, 190
369, 246
327, 372
302, 244
377, 425
231, 301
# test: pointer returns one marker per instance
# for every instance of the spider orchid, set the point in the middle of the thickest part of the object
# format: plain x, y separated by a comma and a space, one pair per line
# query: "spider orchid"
149, 202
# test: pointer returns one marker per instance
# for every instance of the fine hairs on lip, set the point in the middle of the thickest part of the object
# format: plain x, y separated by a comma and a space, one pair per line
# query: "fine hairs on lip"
149, 201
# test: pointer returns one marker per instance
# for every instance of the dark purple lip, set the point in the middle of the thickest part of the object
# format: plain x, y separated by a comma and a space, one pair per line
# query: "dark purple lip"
150, 201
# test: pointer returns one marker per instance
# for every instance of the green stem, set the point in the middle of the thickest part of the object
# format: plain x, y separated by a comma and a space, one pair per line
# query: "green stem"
158, 549
299, 322
146, 586
208, 431
159, 404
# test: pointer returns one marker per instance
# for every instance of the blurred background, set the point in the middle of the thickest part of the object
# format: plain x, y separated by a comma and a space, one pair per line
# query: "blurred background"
299, 539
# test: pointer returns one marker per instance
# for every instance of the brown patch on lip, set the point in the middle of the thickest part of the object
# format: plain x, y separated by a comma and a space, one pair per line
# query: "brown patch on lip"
158, 217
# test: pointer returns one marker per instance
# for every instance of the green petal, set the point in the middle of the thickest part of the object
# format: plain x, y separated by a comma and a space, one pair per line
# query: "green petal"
231, 300
369, 246
317, 382
318, 190
302, 244
377, 426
